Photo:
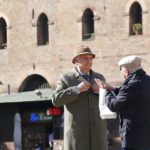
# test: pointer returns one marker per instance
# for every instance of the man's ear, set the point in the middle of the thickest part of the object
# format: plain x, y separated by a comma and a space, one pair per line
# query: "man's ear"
76, 60
126, 72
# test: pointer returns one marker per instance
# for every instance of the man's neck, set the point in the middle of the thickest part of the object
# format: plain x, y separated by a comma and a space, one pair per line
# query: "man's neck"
82, 71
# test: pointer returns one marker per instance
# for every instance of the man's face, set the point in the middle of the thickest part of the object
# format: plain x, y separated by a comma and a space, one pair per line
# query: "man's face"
125, 72
84, 61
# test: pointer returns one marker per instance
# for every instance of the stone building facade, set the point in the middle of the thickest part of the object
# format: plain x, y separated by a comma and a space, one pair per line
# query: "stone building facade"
22, 56
37, 37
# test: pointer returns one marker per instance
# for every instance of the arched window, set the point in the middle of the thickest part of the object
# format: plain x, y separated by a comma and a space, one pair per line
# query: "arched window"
42, 30
135, 19
34, 82
3, 34
87, 24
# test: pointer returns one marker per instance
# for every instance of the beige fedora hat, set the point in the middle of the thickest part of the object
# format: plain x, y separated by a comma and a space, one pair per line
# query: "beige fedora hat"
82, 50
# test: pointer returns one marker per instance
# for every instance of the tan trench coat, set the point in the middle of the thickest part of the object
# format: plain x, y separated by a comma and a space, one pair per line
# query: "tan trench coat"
83, 128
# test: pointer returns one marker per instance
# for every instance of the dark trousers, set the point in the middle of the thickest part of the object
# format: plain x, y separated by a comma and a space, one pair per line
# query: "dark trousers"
136, 149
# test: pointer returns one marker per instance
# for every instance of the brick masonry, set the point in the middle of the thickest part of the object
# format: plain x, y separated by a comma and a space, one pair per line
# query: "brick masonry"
111, 42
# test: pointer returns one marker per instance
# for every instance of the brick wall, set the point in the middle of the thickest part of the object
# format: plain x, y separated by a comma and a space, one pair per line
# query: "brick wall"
112, 40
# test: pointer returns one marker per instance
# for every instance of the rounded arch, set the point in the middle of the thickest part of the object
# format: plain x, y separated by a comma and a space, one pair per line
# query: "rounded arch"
130, 2
91, 7
39, 14
87, 11
33, 82
42, 29
2, 15
42, 17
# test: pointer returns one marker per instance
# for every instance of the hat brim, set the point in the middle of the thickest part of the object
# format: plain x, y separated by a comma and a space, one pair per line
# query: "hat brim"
86, 53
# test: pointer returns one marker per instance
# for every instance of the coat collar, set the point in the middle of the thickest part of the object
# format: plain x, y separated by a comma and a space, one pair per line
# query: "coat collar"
79, 76
139, 72
76, 73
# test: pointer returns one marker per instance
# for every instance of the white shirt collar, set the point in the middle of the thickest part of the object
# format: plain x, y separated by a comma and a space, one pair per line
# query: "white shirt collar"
78, 68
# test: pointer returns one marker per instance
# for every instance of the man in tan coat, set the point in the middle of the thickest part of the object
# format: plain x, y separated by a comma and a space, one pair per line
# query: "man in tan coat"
78, 92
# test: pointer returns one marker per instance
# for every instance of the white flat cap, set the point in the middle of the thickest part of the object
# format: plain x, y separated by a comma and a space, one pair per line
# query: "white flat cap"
131, 62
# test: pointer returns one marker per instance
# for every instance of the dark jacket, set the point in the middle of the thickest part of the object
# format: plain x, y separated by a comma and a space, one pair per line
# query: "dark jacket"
83, 127
133, 104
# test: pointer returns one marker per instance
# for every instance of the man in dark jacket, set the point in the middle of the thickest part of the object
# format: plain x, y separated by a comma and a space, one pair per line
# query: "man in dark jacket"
132, 102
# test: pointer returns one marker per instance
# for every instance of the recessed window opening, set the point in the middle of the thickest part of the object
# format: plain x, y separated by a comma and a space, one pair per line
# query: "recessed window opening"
135, 19
3, 34
87, 24
42, 30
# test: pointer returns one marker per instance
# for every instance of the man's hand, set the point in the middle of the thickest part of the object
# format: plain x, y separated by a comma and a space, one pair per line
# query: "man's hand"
84, 86
104, 85
95, 88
